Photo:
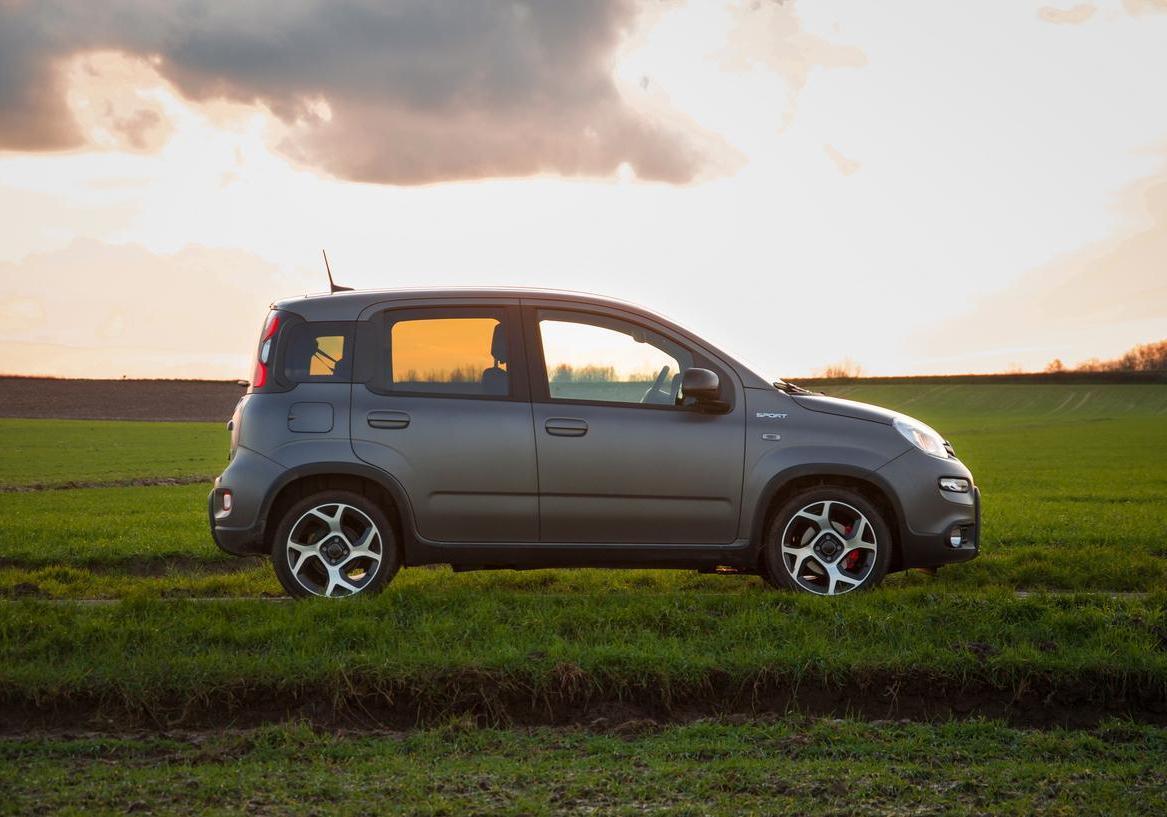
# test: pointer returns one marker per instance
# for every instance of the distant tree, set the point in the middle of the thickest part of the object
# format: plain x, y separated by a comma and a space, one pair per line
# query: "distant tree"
1145, 357
566, 373
595, 374
846, 369
1055, 366
1142, 358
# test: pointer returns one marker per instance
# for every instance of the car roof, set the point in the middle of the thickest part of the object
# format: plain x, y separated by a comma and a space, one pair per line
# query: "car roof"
347, 305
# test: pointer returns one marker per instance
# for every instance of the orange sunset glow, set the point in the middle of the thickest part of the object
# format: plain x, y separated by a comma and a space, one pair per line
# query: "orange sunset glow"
786, 179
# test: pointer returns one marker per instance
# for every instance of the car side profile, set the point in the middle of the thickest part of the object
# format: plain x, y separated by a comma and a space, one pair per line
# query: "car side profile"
514, 429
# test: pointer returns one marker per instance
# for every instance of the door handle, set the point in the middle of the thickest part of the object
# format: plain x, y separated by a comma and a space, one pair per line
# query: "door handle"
388, 419
566, 427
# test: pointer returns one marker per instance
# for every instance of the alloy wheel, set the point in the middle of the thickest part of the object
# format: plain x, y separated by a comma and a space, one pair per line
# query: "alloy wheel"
334, 550
829, 547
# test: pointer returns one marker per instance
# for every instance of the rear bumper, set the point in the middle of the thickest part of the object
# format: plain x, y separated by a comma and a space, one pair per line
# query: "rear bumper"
928, 514
245, 541
240, 532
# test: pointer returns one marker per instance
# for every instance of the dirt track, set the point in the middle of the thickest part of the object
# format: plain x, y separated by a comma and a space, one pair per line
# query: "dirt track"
49, 398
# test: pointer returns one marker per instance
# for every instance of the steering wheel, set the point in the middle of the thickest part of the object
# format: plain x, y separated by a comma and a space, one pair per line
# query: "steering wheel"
656, 393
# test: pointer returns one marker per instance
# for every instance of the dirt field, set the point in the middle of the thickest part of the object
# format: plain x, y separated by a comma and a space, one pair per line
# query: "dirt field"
179, 400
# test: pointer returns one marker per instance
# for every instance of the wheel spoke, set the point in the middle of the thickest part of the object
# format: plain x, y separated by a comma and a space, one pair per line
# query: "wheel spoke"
857, 532
306, 552
800, 555
362, 548
823, 520
333, 521
338, 579
837, 576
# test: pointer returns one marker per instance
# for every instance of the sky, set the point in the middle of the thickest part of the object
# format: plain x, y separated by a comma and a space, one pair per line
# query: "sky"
916, 187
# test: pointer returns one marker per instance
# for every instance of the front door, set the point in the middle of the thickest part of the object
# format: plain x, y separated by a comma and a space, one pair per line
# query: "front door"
446, 412
619, 460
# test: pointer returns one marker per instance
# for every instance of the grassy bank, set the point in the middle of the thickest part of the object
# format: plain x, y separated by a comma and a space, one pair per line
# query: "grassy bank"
431, 653
789, 766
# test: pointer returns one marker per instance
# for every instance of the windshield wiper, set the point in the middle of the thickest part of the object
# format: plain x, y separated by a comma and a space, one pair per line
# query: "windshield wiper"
790, 388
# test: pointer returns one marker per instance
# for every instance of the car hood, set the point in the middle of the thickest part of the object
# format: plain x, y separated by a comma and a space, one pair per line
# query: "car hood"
845, 408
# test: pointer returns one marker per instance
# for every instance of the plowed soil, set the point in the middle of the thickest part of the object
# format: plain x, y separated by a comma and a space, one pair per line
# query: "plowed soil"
173, 400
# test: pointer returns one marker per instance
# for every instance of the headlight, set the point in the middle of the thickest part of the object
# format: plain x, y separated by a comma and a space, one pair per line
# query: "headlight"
921, 436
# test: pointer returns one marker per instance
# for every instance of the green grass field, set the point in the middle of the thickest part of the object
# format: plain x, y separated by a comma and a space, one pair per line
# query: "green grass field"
55, 452
787, 767
1075, 499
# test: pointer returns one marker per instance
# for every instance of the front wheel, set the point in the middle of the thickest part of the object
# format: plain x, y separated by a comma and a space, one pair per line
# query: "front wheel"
827, 541
335, 544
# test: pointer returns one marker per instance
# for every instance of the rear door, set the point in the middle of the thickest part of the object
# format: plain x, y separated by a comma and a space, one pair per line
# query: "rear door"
619, 460
444, 408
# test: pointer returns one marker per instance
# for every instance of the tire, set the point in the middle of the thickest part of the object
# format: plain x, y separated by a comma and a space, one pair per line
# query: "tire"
818, 531
360, 561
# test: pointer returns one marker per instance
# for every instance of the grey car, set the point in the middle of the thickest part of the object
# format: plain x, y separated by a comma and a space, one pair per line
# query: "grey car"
507, 428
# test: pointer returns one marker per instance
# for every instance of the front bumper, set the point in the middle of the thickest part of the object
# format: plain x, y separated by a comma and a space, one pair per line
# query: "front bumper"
928, 514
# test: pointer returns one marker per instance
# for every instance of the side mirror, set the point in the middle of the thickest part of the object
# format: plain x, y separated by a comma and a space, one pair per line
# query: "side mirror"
702, 388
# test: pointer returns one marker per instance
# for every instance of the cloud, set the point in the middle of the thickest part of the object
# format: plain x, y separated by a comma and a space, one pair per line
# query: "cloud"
101, 310
1094, 302
1071, 16
1138, 7
769, 33
846, 166
406, 92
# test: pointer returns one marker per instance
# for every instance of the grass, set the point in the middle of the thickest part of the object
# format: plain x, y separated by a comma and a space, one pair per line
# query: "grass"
1073, 477
438, 650
128, 527
54, 452
1074, 483
822, 767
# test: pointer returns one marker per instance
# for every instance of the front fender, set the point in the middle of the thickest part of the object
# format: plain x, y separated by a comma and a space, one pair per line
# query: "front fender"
773, 473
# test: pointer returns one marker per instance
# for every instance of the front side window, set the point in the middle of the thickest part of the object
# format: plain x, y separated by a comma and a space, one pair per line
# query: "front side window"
317, 351
449, 355
595, 357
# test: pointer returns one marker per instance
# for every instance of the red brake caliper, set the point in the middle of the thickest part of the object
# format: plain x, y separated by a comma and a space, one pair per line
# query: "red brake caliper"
851, 562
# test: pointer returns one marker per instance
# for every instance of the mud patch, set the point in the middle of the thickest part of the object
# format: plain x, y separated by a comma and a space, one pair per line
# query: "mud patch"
137, 482
144, 567
481, 698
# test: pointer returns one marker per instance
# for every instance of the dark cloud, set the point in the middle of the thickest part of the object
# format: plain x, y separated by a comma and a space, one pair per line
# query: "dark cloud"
417, 90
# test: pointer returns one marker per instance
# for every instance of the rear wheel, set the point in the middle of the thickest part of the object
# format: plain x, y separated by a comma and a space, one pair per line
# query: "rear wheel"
335, 544
827, 541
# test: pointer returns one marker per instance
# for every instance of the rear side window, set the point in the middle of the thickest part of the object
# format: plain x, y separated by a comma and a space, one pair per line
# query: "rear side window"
450, 354
318, 352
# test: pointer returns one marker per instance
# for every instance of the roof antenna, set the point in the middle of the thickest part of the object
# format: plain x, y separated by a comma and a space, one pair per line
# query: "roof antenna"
333, 287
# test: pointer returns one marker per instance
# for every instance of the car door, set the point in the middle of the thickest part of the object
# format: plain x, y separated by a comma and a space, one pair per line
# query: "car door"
619, 460
445, 409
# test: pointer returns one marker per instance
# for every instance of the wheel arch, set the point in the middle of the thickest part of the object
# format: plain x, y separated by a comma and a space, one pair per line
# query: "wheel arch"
791, 481
304, 480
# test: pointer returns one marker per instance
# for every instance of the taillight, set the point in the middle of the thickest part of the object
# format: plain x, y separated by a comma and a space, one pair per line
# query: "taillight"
264, 356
